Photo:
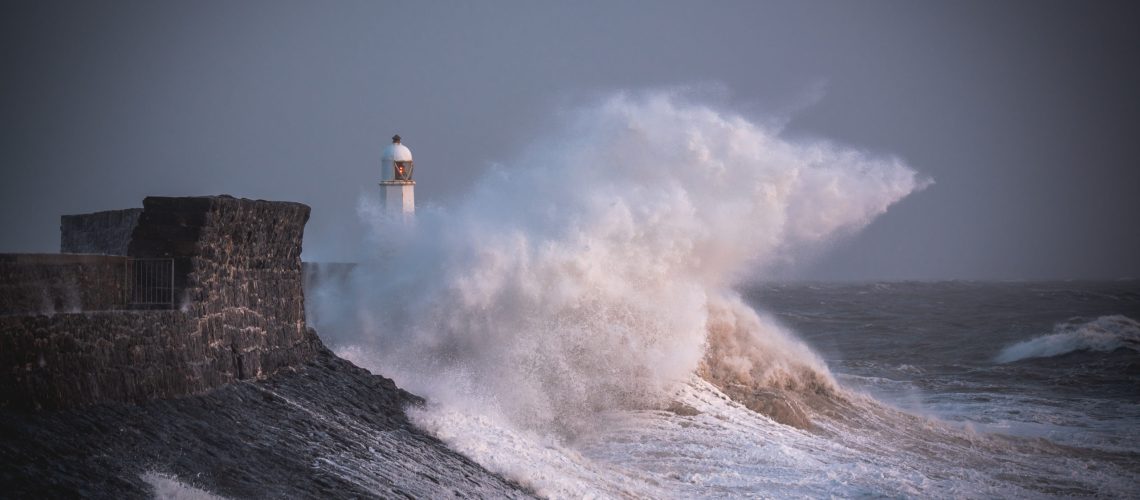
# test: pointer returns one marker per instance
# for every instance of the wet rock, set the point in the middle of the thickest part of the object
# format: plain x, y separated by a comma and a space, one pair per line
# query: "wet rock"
325, 429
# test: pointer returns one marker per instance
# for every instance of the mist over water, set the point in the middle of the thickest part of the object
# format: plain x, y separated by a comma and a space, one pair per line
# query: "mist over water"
581, 276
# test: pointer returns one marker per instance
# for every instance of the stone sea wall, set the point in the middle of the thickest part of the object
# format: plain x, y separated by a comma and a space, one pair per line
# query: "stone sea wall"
243, 282
76, 359
52, 283
240, 313
106, 233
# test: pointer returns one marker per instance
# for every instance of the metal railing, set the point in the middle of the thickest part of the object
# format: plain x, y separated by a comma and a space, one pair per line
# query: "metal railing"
150, 283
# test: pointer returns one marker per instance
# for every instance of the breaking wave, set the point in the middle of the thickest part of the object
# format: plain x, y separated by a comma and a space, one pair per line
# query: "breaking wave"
1103, 334
594, 274
596, 271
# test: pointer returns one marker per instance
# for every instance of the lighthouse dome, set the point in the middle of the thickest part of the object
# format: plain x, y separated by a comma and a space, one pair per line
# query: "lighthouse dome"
396, 152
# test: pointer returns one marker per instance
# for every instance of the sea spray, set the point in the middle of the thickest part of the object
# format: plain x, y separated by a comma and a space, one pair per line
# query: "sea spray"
581, 277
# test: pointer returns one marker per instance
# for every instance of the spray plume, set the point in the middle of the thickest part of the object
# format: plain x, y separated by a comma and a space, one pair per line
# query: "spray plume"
593, 272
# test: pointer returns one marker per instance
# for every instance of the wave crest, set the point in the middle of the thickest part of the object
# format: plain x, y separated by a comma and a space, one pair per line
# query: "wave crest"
1103, 334
755, 361
594, 273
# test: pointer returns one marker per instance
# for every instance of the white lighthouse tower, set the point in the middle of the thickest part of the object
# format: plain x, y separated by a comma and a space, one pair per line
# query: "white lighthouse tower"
397, 189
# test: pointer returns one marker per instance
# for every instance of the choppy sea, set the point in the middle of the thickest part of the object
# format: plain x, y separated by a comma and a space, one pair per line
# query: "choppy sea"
952, 389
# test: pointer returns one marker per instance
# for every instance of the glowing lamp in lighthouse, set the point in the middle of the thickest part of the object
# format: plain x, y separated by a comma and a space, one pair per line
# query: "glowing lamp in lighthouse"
397, 189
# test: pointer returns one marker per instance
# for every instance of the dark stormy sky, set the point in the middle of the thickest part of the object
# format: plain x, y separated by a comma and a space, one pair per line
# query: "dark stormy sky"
1024, 113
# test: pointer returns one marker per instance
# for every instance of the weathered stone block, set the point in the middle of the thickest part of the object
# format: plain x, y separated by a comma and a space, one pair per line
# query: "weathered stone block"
105, 233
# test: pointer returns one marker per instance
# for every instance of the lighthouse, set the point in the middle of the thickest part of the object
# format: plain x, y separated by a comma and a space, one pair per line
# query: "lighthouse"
397, 189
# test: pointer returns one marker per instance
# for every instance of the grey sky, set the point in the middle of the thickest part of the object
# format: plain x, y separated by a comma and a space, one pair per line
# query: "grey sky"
1024, 113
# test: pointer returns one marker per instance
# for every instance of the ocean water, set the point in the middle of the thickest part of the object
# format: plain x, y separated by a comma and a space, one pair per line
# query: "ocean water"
950, 389
1055, 360
577, 323
1043, 378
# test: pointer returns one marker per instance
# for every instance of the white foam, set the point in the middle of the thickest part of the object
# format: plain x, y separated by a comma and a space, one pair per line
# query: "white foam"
728, 451
168, 487
1103, 334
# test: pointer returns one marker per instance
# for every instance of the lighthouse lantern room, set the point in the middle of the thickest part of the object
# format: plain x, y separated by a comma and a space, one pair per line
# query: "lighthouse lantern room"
397, 189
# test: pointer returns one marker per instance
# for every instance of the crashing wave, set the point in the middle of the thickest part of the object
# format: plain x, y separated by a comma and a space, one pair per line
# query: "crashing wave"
1103, 334
758, 363
595, 272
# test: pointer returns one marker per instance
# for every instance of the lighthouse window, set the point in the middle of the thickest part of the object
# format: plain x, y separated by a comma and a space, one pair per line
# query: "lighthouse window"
402, 170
